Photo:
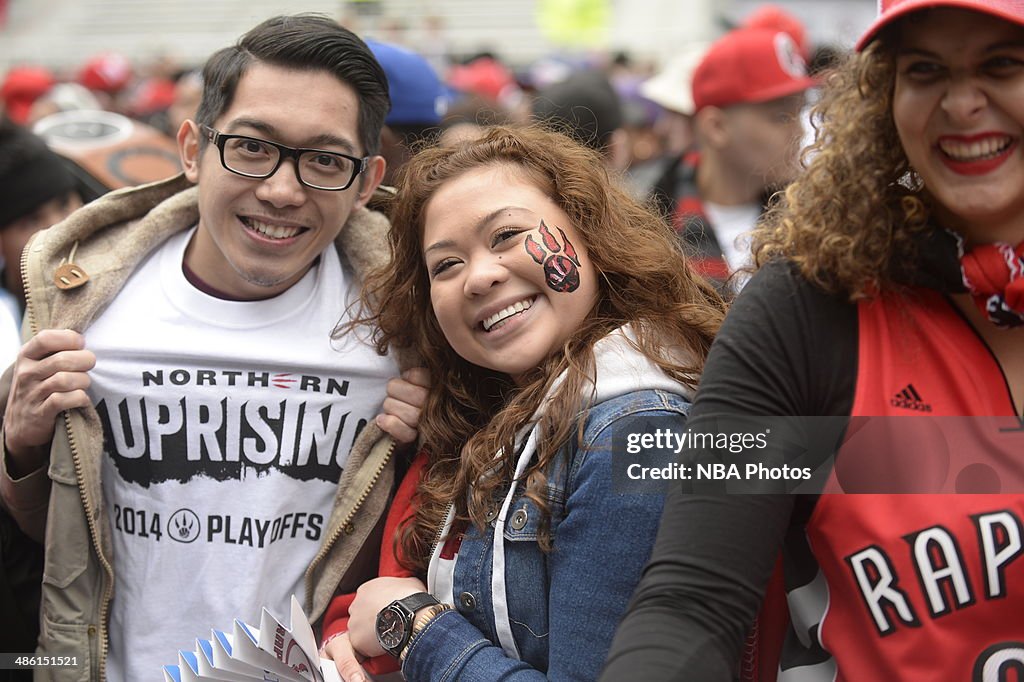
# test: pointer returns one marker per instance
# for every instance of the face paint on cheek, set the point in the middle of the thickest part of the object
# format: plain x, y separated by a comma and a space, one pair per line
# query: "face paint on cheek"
561, 272
535, 250
549, 239
570, 252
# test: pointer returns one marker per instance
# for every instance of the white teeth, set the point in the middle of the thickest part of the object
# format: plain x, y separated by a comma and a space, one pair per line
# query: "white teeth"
497, 320
975, 151
273, 231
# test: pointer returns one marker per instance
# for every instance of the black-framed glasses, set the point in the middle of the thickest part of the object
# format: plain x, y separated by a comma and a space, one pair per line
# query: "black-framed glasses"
259, 159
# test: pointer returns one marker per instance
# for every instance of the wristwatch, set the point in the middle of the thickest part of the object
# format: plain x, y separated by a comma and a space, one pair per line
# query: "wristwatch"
394, 621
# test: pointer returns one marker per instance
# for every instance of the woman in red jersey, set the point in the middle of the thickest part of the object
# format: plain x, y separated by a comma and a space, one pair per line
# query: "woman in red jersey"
890, 284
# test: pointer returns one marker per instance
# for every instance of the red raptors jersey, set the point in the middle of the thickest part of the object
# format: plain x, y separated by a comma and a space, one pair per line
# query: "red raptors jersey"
920, 586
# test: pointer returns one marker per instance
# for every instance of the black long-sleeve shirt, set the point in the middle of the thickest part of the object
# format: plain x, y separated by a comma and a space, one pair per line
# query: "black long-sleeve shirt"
786, 348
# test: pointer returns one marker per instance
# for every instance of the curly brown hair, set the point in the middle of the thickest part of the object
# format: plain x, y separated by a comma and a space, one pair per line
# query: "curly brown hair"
852, 216
472, 413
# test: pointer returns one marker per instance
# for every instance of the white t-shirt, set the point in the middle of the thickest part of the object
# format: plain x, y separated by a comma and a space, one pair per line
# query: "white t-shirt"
10, 331
732, 226
227, 425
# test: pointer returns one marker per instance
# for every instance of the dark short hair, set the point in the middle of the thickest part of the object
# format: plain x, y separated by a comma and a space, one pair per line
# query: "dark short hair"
306, 42
584, 106
30, 174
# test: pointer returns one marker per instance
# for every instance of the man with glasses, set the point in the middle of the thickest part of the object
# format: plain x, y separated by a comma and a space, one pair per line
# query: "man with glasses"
181, 409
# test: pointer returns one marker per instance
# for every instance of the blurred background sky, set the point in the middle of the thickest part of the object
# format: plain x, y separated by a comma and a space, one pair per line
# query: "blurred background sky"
62, 34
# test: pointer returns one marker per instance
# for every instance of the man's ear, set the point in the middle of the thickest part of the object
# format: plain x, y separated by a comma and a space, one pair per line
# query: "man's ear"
188, 149
712, 127
619, 153
371, 178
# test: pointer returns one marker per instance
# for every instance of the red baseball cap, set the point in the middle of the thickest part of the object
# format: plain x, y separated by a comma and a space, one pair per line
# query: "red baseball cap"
750, 65
483, 76
891, 10
778, 19
106, 73
152, 95
22, 86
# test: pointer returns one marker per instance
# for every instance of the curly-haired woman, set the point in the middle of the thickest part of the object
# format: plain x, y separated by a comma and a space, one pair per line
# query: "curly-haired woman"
891, 284
554, 314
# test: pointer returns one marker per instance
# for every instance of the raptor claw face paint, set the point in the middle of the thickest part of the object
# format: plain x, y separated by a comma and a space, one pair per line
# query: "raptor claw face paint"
561, 272
569, 250
535, 250
549, 239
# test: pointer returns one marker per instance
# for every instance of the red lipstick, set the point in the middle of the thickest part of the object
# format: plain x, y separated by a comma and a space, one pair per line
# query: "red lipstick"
979, 166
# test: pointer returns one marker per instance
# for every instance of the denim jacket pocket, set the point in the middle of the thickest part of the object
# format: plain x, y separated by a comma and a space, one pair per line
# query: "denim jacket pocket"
526, 564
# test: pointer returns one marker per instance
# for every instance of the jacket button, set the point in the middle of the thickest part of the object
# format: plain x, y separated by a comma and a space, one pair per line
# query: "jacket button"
467, 602
519, 519
92, 630
70, 276
492, 514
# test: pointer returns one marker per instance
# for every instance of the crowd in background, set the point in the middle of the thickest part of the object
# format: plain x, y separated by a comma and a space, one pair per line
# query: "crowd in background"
645, 100
638, 114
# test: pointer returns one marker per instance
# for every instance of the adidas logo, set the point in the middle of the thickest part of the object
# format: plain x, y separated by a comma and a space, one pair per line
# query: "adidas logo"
910, 399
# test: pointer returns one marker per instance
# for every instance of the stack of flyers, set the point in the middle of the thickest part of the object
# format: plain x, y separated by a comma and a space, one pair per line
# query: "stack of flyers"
274, 653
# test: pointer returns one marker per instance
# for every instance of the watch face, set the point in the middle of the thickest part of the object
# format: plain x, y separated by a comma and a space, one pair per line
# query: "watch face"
390, 629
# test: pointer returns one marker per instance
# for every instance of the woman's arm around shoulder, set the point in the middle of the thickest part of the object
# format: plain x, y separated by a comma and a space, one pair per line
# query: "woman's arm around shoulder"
784, 349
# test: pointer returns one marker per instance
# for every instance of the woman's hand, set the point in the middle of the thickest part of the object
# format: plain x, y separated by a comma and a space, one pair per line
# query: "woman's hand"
346, 659
371, 597
400, 416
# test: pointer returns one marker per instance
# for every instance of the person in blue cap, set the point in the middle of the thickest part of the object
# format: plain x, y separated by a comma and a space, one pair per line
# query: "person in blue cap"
419, 100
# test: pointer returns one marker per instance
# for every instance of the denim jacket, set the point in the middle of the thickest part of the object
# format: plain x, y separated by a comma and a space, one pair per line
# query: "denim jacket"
564, 605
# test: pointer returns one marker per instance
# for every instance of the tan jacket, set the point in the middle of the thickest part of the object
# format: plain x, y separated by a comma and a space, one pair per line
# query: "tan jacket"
113, 235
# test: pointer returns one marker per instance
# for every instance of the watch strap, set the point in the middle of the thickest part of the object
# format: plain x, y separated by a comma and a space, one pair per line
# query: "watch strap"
415, 602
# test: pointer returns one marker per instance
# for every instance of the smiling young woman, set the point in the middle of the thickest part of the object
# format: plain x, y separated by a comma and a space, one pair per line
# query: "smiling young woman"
553, 312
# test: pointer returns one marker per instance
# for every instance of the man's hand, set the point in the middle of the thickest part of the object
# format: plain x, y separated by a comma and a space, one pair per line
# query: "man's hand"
50, 376
401, 410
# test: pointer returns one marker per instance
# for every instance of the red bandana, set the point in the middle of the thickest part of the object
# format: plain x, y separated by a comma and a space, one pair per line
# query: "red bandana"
994, 275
